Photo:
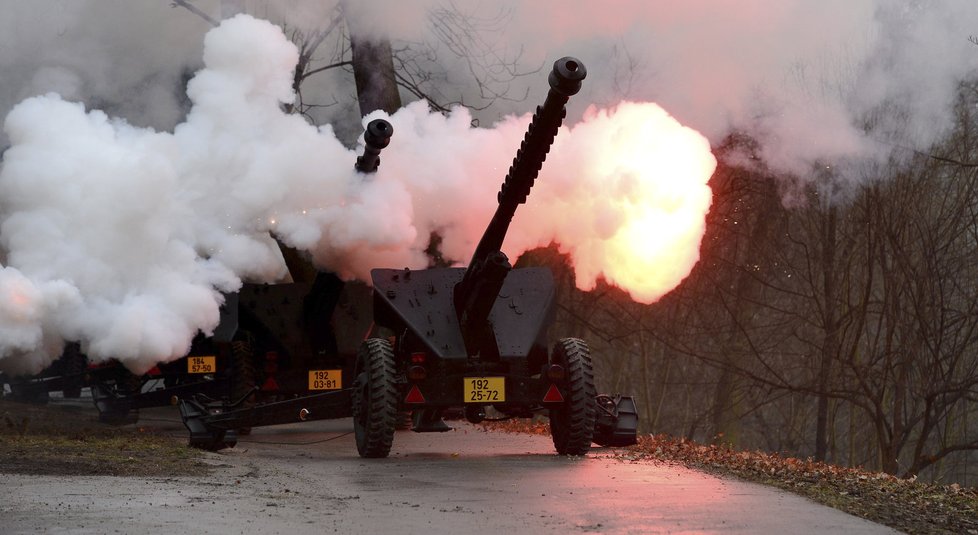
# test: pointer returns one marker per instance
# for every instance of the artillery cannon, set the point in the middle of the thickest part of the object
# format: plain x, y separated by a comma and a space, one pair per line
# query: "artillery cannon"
119, 394
477, 337
66, 374
290, 363
271, 344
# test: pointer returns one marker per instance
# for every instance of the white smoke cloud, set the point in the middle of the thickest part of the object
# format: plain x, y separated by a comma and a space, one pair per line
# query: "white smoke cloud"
799, 75
127, 57
123, 237
142, 229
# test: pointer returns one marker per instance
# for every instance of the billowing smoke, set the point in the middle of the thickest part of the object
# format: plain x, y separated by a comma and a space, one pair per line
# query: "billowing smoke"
811, 81
804, 78
124, 57
123, 237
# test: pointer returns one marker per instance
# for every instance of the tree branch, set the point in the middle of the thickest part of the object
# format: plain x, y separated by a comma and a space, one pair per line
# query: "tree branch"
195, 10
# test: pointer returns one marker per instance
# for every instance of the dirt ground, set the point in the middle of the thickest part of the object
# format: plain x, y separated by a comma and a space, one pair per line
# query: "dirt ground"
67, 439
307, 478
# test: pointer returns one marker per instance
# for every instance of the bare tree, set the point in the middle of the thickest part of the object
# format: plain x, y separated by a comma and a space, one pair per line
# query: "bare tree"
382, 70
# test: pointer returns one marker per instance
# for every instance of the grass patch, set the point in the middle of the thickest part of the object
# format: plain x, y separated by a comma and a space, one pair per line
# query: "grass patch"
63, 440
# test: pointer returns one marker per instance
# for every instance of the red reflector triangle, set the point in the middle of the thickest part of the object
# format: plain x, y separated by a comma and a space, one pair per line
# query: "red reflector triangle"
414, 396
155, 370
553, 395
270, 384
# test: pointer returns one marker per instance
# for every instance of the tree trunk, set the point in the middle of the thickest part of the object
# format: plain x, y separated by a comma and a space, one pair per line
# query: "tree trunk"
230, 8
373, 71
726, 412
830, 324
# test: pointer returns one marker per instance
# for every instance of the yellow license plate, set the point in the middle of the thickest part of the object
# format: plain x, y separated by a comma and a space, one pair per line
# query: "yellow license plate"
201, 364
325, 379
484, 389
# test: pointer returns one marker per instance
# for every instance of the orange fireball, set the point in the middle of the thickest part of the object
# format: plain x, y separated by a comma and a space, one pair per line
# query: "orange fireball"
626, 195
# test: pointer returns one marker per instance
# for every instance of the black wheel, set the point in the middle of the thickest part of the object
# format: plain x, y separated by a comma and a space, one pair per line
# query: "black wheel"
375, 398
242, 378
572, 424
23, 391
73, 373
404, 421
115, 399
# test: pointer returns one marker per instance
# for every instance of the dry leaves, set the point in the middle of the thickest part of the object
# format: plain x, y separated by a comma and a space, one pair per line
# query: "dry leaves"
904, 504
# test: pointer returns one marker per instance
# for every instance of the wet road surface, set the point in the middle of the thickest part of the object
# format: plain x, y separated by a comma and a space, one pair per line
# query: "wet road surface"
307, 478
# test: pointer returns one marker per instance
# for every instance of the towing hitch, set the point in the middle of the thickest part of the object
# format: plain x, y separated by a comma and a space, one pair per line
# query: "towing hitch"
616, 423
213, 424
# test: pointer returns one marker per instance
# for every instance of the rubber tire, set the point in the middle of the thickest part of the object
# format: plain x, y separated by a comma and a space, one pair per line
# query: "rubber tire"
73, 371
572, 424
243, 377
125, 384
22, 394
375, 398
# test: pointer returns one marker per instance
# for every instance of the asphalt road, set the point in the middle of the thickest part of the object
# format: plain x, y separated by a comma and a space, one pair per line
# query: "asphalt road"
307, 478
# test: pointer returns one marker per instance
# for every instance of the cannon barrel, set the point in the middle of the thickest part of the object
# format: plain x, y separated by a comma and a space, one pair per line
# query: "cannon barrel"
476, 293
375, 138
565, 81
